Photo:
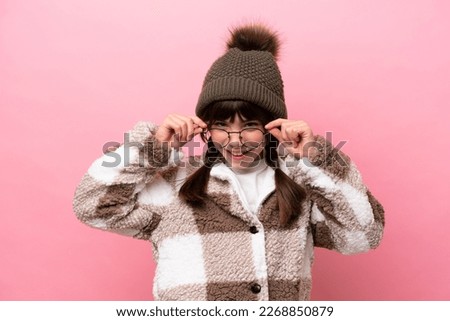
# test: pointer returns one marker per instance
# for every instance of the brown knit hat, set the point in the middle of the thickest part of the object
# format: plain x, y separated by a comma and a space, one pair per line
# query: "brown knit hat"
247, 71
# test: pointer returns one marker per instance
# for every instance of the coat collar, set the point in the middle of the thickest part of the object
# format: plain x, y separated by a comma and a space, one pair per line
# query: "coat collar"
225, 191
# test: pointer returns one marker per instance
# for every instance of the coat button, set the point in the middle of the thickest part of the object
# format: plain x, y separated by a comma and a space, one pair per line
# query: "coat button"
253, 230
256, 288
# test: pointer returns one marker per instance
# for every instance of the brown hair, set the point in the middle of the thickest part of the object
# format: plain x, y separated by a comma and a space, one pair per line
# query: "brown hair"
289, 193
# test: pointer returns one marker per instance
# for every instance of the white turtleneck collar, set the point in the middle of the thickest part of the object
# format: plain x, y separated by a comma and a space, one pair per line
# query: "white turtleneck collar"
252, 184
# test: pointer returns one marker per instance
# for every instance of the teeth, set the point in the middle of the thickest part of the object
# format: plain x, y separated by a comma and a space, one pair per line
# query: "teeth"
237, 154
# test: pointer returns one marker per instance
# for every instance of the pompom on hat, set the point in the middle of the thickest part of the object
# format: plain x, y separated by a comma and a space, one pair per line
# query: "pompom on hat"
247, 71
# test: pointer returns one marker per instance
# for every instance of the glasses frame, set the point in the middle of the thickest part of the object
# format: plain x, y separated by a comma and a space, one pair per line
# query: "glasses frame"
208, 130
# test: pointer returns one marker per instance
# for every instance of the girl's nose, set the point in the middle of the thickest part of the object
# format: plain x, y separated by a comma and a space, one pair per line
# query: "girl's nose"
235, 139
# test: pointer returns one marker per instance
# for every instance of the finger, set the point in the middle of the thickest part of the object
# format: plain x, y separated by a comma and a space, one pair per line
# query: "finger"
292, 132
287, 138
180, 128
174, 125
198, 130
281, 123
284, 133
275, 123
293, 136
280, 135
199, 122
277, 134
176, 141
191, 126
166, 129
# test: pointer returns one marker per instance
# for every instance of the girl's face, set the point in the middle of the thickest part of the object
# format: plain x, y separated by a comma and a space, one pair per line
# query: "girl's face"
240, 141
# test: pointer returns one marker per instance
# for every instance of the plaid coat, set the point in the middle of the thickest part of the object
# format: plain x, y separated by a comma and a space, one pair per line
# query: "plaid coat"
222, 251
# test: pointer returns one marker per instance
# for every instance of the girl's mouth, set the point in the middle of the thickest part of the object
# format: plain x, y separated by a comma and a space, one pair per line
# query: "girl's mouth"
237, 155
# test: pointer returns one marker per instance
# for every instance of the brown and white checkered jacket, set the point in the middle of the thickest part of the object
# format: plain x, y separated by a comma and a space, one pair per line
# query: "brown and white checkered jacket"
222, 251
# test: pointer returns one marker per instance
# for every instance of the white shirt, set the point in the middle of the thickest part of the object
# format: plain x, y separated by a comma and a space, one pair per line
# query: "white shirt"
256, 184
252, 184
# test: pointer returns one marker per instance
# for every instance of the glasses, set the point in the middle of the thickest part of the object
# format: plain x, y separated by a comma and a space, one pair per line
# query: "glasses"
250, 137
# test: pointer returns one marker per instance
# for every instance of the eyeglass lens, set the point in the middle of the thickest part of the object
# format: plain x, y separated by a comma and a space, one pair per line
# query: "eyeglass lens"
248, 137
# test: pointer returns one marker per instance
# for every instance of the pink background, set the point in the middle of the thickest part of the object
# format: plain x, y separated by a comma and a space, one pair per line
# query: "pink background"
76, 74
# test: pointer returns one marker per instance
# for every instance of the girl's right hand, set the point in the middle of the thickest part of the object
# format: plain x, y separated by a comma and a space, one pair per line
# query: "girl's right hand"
178, 130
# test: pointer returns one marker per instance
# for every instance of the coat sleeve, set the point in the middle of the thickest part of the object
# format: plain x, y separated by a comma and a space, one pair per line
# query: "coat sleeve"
345, 216
107, 196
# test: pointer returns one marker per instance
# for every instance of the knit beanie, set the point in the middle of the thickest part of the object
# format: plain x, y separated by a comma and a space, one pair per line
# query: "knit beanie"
247, 71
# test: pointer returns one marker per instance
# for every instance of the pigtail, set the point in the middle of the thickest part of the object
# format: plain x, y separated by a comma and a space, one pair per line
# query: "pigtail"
193, 191
290, 195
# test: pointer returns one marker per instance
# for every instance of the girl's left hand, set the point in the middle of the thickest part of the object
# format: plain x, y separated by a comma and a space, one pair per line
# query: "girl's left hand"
295, 135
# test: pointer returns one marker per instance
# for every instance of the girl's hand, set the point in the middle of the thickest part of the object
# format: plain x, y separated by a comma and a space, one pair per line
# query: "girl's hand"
178, 130
295, 135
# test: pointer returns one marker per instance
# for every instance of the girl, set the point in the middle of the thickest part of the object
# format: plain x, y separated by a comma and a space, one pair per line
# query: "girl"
241, 222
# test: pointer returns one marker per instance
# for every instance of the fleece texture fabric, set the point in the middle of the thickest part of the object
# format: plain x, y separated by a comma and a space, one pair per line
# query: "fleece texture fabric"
222, 251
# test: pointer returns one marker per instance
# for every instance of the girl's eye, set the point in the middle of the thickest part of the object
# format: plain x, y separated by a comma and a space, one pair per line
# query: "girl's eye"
219, 124
252, 124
